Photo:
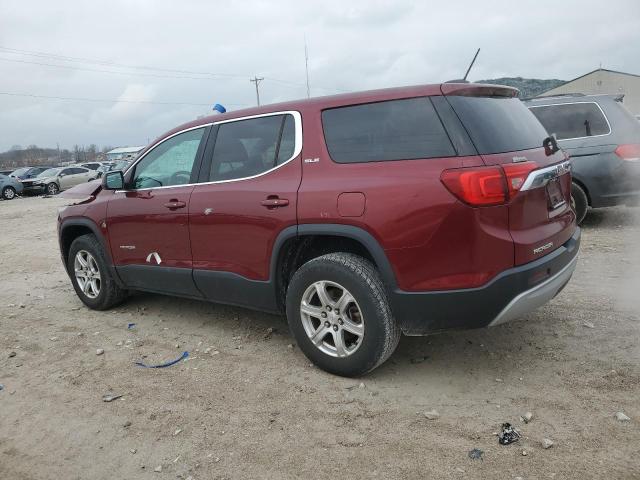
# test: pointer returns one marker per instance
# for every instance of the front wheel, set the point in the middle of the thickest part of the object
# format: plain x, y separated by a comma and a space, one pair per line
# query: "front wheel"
91, 276
339, 314
579, 202
53, 189
8, 193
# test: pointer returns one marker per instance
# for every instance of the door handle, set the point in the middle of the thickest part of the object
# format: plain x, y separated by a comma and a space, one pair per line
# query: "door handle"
274, 202
175, 204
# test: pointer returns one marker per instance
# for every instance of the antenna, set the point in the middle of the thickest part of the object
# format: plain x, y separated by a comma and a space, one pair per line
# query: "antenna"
472, 62
306, 65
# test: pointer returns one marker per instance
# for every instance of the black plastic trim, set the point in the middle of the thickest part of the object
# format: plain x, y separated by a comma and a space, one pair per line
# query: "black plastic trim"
156, 278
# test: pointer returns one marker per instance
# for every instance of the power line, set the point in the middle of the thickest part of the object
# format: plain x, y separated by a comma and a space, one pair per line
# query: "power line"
104, 100
183, 74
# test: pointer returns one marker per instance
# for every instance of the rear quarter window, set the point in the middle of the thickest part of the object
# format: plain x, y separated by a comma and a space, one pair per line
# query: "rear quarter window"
498, 124
392, 130
572, 120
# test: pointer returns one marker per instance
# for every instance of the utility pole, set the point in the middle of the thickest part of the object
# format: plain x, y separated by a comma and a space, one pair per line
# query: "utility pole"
306, 65
257, 81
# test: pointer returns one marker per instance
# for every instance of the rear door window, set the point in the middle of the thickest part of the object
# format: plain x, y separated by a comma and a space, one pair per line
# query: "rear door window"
246, 148
572, 120
498, 124
392, 130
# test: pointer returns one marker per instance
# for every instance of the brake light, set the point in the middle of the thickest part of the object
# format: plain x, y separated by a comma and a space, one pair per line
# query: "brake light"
629, 152
486, 186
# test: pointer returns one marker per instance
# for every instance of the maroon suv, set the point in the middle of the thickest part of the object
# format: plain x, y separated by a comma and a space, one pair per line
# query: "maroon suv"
362, 216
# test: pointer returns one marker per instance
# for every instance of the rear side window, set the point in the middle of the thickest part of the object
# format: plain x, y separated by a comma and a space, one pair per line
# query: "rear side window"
498, 124
245, 148
392, 130
572, 120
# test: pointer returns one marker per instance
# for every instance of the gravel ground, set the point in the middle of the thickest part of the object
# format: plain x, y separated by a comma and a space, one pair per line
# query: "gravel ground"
247, 404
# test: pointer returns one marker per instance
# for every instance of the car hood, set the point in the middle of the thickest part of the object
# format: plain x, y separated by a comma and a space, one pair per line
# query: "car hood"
83, 190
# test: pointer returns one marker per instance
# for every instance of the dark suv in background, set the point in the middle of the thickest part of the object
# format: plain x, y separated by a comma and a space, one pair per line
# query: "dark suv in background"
603, 140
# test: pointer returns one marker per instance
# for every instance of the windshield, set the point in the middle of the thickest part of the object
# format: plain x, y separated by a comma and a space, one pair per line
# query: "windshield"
49, 172
498, 124
20, 171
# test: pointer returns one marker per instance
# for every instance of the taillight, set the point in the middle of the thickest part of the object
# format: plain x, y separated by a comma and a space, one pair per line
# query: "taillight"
486, 186
630, 152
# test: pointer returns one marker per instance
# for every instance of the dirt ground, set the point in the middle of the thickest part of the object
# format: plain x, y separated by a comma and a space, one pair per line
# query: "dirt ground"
253, 407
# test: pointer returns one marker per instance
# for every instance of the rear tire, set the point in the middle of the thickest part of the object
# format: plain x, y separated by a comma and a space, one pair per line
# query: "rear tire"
91, 276
579, 202
349, 337
52, 189
8, 193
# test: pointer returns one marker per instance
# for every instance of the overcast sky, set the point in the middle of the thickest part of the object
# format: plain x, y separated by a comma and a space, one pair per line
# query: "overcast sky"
353, 45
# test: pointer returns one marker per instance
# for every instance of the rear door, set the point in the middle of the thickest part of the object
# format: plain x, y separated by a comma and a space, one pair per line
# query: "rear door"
506, 133
147, 223
251, 174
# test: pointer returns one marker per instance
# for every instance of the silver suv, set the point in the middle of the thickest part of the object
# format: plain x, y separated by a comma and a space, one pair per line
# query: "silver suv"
55, 180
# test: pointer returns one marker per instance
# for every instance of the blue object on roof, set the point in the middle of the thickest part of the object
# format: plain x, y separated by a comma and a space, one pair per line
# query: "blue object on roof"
219, 108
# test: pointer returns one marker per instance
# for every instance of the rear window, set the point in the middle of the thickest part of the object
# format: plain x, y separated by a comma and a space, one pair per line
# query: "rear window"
498, 124
572, 120
392, 130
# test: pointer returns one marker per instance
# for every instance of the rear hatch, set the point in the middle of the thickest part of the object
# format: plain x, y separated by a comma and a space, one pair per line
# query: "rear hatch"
507, 135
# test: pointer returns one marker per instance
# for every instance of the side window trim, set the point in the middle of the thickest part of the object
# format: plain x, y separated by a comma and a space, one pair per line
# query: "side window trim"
297, 117
604, 115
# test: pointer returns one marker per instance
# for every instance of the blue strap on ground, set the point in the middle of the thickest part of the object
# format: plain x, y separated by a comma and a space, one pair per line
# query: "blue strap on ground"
168, 364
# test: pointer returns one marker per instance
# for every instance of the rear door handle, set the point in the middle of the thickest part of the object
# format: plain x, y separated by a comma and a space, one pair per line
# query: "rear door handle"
274, 202
175, 204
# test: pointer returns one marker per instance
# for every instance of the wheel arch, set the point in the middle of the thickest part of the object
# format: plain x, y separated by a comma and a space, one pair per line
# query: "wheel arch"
295, 246
583, 186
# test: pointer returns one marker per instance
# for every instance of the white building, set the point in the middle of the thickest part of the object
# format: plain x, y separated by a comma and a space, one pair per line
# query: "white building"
123, 153
604, 81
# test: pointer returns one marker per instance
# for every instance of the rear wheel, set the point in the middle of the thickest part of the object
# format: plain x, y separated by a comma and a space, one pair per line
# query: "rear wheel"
53, 189
338, 311
8, 193
91, 276
579, 202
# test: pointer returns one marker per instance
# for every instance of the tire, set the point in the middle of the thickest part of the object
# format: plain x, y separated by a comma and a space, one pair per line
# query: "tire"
108, 292
52, 189
579, 202
369, 314
8, 193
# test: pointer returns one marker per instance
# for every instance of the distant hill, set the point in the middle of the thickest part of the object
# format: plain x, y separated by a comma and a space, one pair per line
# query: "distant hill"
529, 87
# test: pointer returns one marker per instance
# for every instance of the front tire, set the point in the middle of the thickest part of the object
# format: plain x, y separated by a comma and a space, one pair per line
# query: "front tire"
339, 314
8, 193
579, 202
52, 189
91, 276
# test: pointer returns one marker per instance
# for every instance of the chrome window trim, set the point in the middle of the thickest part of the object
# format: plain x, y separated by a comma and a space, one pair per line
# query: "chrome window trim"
539, 178
296, 151
574, 103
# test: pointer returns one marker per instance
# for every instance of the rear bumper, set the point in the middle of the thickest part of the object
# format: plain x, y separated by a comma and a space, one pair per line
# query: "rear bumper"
510, 295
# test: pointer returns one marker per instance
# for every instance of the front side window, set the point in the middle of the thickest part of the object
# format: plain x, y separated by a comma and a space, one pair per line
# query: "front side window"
391, 130
572, 120
170, 163
246, 148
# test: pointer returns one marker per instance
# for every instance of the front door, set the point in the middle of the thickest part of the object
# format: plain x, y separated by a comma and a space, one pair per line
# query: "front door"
148, 223
253, 173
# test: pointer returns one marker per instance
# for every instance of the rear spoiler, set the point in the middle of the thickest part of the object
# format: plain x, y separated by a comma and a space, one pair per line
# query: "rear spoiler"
478, 90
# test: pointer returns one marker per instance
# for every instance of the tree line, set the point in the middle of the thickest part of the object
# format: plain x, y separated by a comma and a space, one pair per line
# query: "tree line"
32, 155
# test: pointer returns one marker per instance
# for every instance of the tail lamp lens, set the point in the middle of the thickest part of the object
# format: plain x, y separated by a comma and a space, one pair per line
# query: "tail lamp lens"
629, 152
486, 186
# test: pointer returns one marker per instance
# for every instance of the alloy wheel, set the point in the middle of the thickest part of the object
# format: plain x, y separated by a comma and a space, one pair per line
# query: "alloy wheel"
332, 319
9, 193
87, 274
52, 189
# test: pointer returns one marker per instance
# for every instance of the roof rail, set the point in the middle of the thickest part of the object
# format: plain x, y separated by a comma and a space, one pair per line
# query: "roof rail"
557, 95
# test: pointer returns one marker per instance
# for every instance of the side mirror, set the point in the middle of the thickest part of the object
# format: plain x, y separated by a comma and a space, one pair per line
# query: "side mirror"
62, 175
550, 145
113, 180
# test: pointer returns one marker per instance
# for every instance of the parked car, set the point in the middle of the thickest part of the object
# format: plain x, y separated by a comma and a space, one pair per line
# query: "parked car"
25, 173
9, 187
414, 210
603, 140
108, 167
6, 172
91, 165
54, 180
